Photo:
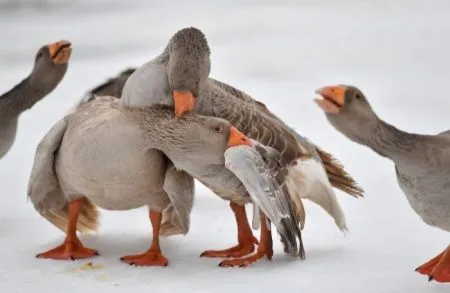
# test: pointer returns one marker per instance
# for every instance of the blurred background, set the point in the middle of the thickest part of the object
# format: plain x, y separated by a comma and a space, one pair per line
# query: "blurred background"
279, 52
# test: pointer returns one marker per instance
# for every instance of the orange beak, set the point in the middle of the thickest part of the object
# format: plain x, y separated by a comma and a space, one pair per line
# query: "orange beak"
184, 102
238, 138
60, 51
333, 98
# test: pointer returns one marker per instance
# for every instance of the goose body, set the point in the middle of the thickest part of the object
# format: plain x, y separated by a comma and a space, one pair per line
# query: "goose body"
428, 191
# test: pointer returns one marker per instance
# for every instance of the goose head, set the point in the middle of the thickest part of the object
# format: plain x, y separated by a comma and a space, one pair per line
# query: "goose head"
188, 67
348, 110
50, 65
206, 139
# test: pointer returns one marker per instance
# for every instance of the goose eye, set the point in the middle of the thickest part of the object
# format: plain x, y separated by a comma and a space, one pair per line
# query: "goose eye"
358, 96
218, 128
39, 55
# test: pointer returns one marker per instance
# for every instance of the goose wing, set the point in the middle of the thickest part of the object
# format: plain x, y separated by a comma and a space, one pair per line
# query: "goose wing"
260, 170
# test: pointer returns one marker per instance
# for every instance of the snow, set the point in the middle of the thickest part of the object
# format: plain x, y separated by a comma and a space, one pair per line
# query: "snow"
279, 52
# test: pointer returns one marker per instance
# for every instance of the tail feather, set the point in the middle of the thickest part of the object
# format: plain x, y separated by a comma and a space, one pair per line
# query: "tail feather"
337, 175
310, 181
88, 218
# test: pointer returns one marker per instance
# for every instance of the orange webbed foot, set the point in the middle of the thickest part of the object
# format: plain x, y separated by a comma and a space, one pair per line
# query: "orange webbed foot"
69, 250
244, 262
438, 268
149, 258
239, 250
428, 267
441, 275
265, 248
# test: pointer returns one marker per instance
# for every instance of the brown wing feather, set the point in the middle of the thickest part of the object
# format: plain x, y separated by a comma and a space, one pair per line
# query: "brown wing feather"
231, 90
258, 125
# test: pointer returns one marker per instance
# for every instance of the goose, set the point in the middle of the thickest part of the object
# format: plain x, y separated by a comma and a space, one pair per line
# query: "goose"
422, 162
310, 169
109, 157
50, 66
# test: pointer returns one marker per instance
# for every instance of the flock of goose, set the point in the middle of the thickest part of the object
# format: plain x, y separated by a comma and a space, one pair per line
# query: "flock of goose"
142, 137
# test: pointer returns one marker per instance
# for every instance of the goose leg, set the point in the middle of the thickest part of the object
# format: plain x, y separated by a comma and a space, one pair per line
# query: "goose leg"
72, 248
265, 248
438, 268
246, 240
153, 256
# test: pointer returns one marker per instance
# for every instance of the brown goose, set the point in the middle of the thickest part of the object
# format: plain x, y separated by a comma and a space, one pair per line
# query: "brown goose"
50, 65
307, 173
422, 162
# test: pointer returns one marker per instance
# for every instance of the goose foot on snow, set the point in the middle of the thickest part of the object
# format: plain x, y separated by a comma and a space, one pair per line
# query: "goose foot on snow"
246, 240
153, 256
72, 248
438, 268
264, 248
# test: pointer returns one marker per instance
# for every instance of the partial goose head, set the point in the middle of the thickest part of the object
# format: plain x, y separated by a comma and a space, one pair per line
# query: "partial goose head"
347, 109
192, 137
188, 67
175, 77
50, 65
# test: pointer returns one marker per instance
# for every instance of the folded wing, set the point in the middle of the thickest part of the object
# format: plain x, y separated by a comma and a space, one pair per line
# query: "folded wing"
261, 172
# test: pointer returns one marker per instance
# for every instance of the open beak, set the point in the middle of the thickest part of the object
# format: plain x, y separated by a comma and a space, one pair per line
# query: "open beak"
184, 102
60, 51
238, 138
332, 98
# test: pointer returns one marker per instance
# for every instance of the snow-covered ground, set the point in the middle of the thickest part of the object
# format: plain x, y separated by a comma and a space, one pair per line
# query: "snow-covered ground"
397, 52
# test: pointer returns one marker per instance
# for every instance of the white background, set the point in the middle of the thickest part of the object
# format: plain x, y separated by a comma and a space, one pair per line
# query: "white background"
279, 52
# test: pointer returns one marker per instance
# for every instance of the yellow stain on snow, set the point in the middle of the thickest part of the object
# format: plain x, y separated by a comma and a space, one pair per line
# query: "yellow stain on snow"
87, 267
90, 267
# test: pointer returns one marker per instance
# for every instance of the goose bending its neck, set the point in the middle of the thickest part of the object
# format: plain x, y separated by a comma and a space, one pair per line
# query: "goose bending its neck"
50, 65
175, 77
